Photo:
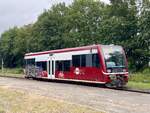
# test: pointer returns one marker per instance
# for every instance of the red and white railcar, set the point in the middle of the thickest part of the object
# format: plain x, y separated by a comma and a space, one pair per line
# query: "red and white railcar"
105, 64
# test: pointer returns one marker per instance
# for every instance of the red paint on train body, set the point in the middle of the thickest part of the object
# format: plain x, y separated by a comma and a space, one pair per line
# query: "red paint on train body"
109, 71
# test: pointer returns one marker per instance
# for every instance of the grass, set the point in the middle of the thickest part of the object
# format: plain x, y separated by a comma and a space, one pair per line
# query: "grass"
140, 80
140, 77
12, 101
14, 72
138, 85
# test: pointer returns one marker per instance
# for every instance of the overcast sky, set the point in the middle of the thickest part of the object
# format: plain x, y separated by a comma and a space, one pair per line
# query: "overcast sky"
21, 12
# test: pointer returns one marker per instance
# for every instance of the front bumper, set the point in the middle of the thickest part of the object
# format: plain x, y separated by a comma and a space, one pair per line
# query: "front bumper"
118, 79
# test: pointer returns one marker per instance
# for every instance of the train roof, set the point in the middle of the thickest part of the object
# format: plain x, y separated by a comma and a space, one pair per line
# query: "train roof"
63, 50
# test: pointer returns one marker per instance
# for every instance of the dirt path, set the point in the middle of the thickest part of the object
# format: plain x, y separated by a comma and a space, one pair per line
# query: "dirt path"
110, 101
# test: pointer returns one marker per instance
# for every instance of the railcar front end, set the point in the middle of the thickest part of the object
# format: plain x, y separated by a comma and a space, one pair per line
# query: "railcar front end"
115, 65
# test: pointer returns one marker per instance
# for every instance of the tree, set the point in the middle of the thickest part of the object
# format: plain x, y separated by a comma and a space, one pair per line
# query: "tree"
143, 41
85, 17
84, 22
7, 47
50, 27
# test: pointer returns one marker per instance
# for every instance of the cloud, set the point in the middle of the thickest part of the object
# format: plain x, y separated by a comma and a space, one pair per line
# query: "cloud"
21, 12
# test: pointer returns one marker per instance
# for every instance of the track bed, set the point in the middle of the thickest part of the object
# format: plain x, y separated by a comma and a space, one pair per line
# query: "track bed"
102, 99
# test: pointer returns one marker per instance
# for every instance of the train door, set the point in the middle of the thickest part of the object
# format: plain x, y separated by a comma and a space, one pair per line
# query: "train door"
51, 67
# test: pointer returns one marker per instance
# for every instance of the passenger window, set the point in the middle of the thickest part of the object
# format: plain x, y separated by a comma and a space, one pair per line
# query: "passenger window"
89, 60
63, 65
95, 60
42, 65
83, 60
30, 62
59, 66
79, 60
76, 60
66, 66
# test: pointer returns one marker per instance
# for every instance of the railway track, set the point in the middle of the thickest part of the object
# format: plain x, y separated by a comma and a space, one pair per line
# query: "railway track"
84, 84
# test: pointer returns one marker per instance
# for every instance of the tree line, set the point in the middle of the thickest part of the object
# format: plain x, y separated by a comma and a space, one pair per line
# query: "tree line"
84, 22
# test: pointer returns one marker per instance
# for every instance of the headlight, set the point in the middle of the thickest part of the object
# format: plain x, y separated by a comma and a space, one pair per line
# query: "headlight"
109, 70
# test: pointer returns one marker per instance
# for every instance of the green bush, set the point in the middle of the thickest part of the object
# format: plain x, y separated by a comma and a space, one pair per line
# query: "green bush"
143, 76
146, 71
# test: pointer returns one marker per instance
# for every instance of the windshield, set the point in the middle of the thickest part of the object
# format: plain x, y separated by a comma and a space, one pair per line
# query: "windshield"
114, 56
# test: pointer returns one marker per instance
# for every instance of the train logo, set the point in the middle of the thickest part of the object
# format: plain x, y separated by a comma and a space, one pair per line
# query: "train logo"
77, 71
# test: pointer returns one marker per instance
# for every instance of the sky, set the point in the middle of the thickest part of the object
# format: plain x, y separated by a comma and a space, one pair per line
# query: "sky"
23, 12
